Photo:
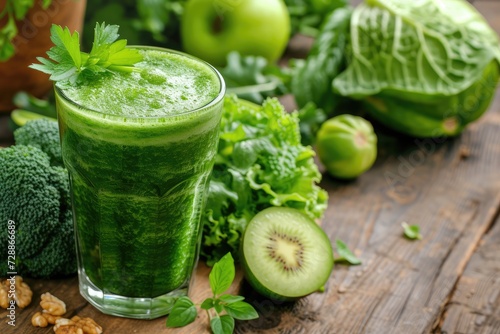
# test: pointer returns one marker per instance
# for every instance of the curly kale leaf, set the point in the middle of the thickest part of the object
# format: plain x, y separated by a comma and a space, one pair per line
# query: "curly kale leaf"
260, 163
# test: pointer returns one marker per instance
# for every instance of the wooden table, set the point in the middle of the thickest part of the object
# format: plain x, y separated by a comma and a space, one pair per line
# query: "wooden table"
448, 282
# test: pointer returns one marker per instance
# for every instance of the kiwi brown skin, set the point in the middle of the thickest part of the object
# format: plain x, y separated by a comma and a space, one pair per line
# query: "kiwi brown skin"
261, 289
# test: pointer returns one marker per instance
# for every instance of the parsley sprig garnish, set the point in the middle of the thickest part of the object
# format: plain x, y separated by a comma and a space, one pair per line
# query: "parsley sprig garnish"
222, 308
68, 65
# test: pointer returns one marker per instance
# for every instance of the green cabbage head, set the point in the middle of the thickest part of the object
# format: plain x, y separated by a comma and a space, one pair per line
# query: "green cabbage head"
426, 68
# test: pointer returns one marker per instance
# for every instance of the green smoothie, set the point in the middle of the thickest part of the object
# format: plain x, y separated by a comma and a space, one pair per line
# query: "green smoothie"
139, 148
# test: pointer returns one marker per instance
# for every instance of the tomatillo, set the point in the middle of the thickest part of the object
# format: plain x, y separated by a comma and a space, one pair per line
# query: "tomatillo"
347, 146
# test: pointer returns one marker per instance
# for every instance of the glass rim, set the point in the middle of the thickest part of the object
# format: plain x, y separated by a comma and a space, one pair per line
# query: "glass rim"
216, 100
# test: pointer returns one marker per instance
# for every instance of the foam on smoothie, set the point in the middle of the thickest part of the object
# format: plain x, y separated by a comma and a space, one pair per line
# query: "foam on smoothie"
168, 84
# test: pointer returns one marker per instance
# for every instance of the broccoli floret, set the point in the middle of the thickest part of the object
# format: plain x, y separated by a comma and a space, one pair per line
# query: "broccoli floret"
43, 134
57, 257
35, 195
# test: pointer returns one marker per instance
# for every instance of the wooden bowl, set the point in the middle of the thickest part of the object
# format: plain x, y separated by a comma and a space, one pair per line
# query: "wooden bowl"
33, 40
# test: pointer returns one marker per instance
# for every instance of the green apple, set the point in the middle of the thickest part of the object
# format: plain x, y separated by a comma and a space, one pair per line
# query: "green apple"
210, 29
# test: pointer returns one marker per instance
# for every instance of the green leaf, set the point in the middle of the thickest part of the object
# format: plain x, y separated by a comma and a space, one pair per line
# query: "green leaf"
63, 72
222, 274
46, 66
222, 325
57, 54
218, 306
312, 79
307, 15
229, 299
63, 39
241, 311
124, 57
105, 34
424, 50
21, 7
6, 49
68, 65
46, 4
7, 33
248, 77
311, 119
207, 304
345, 254
183, 313
412, 232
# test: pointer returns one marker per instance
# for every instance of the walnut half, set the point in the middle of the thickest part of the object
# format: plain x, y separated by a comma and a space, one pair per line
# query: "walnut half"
66, 326
77, 325
52, 305
19, 290
51, 319
23, 293
53, 308
4, 297
43, 319
38, 320
88, 325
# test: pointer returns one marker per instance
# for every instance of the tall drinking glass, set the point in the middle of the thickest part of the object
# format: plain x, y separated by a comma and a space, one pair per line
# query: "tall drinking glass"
139, 148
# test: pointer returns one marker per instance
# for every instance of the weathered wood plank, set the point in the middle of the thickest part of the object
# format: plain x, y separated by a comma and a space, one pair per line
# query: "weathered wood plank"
451, 189
475, 305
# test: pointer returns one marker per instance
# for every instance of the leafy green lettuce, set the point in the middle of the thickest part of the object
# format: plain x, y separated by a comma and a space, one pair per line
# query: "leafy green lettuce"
260, 163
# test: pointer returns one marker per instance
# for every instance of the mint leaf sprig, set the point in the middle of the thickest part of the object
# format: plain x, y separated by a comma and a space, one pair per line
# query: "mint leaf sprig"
345, 254
68, 65
222, 308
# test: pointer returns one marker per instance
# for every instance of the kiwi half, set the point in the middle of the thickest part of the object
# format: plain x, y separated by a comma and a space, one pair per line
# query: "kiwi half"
285, 254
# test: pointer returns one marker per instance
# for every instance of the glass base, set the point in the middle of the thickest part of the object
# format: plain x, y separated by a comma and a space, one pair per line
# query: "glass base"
128, 307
